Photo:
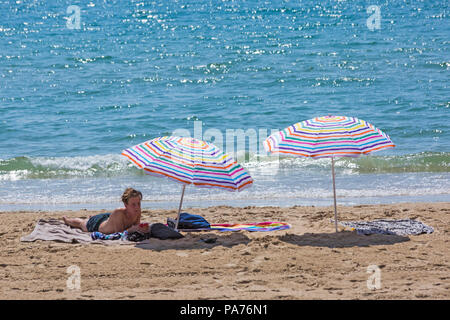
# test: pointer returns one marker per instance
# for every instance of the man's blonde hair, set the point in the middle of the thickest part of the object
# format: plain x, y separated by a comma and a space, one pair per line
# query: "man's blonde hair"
130, 193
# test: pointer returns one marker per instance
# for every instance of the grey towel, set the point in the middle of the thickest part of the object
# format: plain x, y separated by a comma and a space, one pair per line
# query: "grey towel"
401, 227
56, 230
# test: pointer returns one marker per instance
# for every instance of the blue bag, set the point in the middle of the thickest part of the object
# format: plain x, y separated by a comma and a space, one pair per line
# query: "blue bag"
192, 221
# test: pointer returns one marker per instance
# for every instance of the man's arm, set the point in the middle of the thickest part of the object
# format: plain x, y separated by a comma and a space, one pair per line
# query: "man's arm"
135, 226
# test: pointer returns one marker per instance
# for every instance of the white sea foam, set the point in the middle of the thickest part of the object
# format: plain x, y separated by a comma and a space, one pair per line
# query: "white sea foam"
109, 165
286, 188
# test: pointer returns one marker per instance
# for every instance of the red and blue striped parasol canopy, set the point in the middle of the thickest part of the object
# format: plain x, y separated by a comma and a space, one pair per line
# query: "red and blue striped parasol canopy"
328, 136
189, 161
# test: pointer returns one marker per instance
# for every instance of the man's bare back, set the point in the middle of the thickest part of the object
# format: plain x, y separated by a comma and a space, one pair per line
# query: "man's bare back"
118, 221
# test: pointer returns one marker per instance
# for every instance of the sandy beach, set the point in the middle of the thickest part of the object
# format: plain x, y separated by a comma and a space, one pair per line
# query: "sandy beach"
308, 261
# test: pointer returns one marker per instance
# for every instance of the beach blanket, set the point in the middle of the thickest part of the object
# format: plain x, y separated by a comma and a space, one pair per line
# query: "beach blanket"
401, 227
260, 226
56, 230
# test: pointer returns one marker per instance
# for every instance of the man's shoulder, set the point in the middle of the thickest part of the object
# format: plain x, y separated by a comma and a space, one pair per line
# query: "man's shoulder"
119, 211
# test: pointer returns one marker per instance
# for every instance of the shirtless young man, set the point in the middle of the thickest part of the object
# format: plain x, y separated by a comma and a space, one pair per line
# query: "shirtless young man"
119, 220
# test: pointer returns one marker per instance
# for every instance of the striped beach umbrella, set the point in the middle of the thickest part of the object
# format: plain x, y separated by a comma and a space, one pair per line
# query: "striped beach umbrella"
189, 161
328, 137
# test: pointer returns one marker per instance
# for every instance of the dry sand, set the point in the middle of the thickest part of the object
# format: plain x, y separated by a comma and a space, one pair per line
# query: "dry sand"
308, 261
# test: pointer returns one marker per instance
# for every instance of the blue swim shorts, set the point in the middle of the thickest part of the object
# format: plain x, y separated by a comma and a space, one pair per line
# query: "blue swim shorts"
94, 222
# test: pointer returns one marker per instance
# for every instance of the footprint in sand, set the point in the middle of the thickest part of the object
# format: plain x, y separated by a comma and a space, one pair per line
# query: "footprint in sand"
257, 261
230, 265
182, 254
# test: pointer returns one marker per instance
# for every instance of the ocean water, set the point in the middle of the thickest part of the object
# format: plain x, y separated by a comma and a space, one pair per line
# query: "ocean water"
82, 80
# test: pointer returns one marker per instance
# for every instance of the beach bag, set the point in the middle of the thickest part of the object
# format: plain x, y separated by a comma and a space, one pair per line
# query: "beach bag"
163, 232
192, 221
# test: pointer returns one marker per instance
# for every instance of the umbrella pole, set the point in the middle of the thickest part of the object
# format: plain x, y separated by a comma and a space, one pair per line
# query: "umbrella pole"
334, 193
179, 208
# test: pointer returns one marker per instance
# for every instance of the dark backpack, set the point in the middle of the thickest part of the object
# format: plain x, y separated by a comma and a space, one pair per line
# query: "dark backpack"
163, 232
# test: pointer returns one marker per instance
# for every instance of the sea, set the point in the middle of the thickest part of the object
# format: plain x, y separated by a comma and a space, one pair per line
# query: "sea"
80, 81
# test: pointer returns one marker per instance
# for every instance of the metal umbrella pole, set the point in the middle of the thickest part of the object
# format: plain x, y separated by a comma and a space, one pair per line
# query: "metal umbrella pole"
334, 193
179, 208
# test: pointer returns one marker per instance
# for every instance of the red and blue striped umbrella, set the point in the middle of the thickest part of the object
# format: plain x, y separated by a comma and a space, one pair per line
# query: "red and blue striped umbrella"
328, 137
189, 161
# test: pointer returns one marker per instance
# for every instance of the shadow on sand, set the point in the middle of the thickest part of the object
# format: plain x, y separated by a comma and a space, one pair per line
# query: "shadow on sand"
195, 241
343, 239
